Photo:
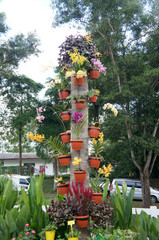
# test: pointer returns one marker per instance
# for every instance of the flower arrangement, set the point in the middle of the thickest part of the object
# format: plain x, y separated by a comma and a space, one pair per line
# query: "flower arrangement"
111, 107
97, 145
26, 234
78, 121
36, 137
97, 64
76, 162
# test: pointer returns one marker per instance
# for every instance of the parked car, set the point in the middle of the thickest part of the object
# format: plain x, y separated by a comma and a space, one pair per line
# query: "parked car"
137, 185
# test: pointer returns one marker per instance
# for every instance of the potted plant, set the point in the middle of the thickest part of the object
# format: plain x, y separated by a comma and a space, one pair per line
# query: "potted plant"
79, 174
27, 233
65, 136
78, 121
80, 199
97, 67
93, 94
62, 187
96, 185
50, 231
73, 235
64, 111
94, 130
80, 100
96, 150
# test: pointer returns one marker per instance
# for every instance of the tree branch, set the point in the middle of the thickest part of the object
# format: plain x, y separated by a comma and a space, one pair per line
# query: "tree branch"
152, 163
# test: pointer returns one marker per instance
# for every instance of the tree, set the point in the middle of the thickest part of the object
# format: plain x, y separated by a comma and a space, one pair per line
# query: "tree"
20, 99
126, 34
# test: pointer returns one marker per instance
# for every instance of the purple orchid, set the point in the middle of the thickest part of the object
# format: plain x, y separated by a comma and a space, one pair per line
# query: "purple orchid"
78, 121
97, 63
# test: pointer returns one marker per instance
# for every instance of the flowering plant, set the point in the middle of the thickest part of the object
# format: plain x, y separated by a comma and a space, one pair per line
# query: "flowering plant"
36, 137
76, 162
59, 180
78, 121
39, 116
93, 92
97, 64
26, 234
79, 62
105, 170
97, 145
111, 107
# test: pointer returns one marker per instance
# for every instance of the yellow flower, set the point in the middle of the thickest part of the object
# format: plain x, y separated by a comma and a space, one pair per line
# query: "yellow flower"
69, 74
88, 38
100, 171
76, 161
36, 137
94, 141
58, 179
81, 73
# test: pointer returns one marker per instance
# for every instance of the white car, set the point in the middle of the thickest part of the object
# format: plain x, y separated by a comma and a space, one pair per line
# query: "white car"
137, 185
20, 181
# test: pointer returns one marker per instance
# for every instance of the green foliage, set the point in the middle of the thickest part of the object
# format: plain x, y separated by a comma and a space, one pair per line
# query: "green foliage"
76, 233
3, 181
123, 207
96, 183
148, 227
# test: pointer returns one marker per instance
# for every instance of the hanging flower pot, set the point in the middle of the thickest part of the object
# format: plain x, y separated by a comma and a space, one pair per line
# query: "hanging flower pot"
80, 176
62, 188
76, 144
65, 137
50, 235
64, 160
80, 103
94, 162
63, 94
97, 198
78, 81
93, 99
93, 132
65, 115
94, 73
82, 221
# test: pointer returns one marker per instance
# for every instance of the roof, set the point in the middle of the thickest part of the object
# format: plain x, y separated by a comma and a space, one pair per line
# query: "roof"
15, 156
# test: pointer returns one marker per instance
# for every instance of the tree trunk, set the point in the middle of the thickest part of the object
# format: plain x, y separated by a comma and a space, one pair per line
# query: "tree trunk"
20, 150
145, 183
83, 154
54, 161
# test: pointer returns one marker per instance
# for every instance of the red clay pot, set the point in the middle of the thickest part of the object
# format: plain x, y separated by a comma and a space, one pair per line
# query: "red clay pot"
93, 132
65, 115
78, 81
64, 160
94, 74
94, 162
64, 93
93, 99
65, 137
76, 144
97, 198
80, 103
82, 221
62, 188
79, 175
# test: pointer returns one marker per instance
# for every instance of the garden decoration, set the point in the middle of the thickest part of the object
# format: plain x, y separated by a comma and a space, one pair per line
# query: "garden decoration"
28, 233
80, 100
62, 187
97, 67
65, 136
94, 130
78, 173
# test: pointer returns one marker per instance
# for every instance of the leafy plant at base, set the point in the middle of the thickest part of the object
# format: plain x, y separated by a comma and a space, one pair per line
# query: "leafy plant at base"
76, 233
122, 207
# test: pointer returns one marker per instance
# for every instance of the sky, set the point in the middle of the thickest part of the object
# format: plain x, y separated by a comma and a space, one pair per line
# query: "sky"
23, 16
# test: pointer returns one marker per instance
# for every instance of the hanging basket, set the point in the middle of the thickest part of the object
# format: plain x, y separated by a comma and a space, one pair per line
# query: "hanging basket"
93, 132
65, 115
97, 198
82, 221
78, 81
50, 235
76, 144
62, 188
80, 103
94, 73
93, 99
79, 176
63, 94
64, 160
65, 137
94, 162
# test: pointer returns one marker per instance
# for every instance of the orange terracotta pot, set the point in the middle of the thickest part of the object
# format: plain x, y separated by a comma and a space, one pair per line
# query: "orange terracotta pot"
80, 103
64, 93
93, 99
97, 198
65, 115
94, 162
94, 74
65, 137
93, 132
64, 160
82, 221
79, 176
76, 144
78, 81
62, 188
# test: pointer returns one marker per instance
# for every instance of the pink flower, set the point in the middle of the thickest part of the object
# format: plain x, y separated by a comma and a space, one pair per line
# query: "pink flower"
13, 238
27, 233
33, 231
27, 225
20, 235
40, 118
